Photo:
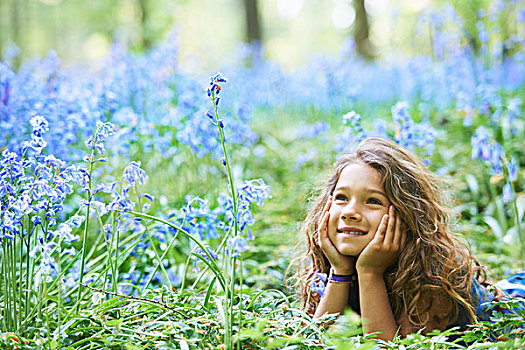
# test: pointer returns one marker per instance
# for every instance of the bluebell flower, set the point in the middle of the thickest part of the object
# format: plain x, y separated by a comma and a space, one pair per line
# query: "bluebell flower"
480, 145
225, 202
318, 288
102, 209
105, 187
198, 251
512, 169
400, 113
104, 130
496, 158
236, 246
508, 194
253, 191
133, 173
77, 220
322, 276
47, 263
108, 230
64, 232
40, 125
354, 120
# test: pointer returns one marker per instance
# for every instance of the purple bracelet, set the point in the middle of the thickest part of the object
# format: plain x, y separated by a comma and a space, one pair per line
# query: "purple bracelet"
335, 278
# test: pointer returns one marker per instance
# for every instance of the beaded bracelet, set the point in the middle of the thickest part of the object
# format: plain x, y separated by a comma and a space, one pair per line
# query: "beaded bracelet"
335, 278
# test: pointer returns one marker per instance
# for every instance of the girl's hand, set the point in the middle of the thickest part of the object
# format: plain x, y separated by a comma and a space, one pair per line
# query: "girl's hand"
342, 264
385, 247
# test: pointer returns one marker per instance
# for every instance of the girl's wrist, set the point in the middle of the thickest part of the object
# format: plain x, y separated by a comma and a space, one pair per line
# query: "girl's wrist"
348, 277
334, 271
370, 272
342, 271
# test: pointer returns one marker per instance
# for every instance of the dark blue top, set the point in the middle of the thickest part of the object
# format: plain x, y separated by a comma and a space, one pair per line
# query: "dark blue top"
514, 286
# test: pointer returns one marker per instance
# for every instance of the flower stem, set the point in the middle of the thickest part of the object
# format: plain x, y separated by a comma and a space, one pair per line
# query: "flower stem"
86, 223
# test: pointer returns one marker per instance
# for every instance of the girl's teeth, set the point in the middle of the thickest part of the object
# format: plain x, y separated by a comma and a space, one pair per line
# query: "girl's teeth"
355, 233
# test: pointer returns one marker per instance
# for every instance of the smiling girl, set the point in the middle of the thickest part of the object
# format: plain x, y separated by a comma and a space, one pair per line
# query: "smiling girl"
381, 231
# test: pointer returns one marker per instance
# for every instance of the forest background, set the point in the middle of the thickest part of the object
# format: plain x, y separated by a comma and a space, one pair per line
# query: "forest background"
132, 200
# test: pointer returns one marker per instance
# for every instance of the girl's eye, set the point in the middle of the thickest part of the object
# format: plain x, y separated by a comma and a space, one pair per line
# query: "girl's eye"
340, 197
375, 201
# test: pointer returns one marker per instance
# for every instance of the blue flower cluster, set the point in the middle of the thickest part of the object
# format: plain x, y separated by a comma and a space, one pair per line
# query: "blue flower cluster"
207, 224
39, 89
411, 135
152, 105
486, 149
33, 188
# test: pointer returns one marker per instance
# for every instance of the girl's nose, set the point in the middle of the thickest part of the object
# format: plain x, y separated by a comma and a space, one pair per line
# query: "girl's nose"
350, 212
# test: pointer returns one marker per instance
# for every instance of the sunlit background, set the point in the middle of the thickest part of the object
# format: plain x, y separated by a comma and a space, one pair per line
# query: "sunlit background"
211, 31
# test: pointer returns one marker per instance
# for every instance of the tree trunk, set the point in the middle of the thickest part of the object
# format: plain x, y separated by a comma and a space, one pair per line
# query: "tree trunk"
253, 25
144, 18
253, 32
361, 30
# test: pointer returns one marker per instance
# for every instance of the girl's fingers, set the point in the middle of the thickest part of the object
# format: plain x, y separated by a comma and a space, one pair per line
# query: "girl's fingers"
390, 229
323, 222
323, 225
325, 210
380, 234
328, 204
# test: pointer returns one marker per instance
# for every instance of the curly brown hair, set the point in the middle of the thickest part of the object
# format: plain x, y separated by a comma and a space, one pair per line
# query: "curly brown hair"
444, 268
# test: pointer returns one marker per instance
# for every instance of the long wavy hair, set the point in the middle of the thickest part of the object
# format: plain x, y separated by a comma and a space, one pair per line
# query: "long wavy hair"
435, 263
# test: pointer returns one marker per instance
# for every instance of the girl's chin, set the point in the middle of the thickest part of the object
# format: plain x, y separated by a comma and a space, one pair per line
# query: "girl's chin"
351, 251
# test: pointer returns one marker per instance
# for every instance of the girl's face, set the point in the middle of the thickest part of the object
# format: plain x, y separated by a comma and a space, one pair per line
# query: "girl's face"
358, 205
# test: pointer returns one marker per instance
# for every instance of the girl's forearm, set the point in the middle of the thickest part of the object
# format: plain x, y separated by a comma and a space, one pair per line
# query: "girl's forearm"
376, 311
335, 299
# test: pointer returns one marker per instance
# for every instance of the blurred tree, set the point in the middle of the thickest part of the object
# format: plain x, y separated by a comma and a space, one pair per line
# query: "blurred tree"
361, 30
253, 25
253, 31
144, 19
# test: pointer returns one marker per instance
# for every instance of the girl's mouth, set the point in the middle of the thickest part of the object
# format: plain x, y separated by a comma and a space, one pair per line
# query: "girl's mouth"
352, 232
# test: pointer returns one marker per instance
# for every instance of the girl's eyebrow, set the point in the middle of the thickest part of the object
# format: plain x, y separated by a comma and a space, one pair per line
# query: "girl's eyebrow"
373, 190
378, 192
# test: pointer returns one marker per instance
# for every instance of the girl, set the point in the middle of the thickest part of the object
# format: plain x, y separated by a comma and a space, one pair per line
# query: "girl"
381, 231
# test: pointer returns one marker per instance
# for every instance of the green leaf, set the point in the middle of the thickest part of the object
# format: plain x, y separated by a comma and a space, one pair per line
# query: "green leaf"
494, 226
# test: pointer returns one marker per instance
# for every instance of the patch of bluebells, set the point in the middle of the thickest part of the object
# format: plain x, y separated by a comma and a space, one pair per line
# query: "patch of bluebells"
157, 107
120, 191
198, 219
148, 100
302, 158
409, 134
488, 150
193, 122
314, 130
353, 132
491, 152
39, 88
34, 186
